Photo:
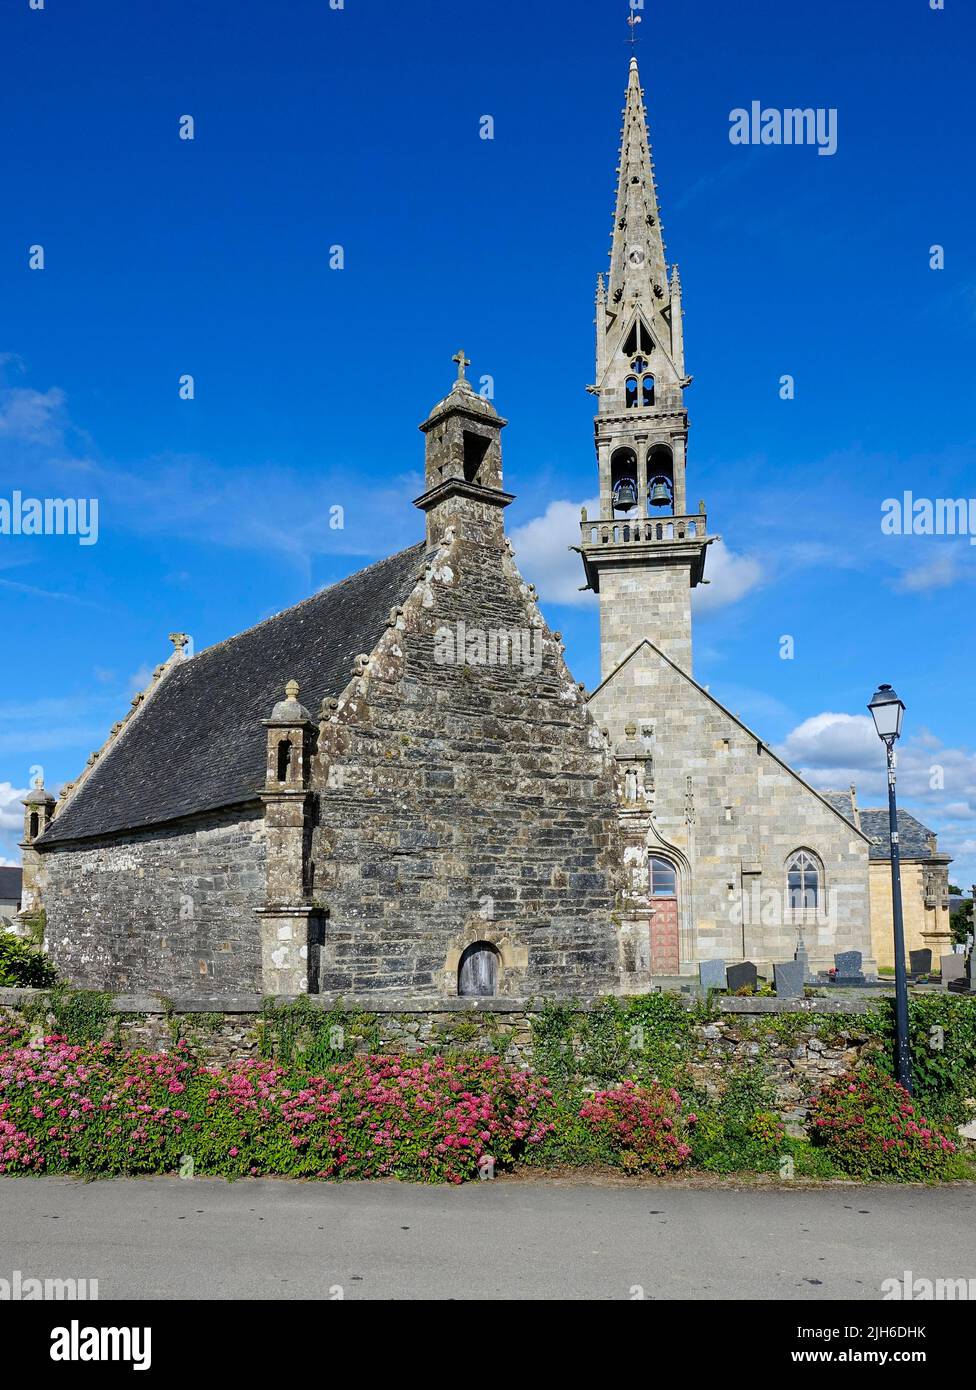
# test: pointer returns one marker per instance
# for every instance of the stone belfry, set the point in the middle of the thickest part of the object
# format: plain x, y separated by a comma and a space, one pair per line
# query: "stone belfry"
646, 551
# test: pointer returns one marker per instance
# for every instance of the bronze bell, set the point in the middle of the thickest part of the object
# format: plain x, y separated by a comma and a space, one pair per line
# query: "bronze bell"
625, 495
660, 493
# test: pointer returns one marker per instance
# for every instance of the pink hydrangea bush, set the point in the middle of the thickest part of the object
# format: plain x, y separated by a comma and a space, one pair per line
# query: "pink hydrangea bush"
640, 1126
99, 1109
871, 1128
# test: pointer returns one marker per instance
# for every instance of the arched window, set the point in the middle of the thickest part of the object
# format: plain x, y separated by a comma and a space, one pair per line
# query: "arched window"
632, 398
34, 823
478, 970
284, 759
803, 880
647, 390
662, 879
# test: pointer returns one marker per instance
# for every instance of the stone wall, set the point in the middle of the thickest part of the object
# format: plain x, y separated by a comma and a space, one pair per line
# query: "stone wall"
645, 598
465, 798
172, 909
823, 1038
728, 814
924, 898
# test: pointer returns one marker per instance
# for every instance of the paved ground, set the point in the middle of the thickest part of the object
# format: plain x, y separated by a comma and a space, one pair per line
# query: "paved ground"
164, 1238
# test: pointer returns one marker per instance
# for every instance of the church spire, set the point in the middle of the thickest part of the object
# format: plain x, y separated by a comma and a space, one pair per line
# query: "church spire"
644, 553
638, 270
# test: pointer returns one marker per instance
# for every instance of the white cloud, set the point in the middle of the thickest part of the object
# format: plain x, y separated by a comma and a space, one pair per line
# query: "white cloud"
941, 572
11, 811
543, 555
542, 549
935, 781
730, 577
32, 417
829, 742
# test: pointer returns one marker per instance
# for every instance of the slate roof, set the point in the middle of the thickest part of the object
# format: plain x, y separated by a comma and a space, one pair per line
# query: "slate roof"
913, 836
198, 743
11, 881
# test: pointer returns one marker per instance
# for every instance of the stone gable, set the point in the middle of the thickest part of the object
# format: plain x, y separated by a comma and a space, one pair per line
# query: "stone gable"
462, 802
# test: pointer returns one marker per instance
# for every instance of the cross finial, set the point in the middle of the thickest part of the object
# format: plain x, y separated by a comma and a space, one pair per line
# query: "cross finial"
462, 362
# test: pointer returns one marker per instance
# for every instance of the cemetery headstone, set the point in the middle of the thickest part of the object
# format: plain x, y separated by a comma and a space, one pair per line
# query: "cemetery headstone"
742, 976
848, 967
953, 968
789, 979
921, 962
711, 974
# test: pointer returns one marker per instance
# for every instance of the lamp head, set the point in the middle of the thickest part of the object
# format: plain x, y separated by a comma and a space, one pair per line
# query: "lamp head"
887, 711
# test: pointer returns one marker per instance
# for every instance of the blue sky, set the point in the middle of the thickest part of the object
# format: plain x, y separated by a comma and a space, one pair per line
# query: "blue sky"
360, 127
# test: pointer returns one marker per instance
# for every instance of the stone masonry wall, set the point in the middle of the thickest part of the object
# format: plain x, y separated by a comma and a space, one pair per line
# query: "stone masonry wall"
729, 815
172, 909
645, 598
223, 1032
466, 802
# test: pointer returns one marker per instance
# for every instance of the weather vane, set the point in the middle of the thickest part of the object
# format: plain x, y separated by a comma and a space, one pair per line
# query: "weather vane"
633, 19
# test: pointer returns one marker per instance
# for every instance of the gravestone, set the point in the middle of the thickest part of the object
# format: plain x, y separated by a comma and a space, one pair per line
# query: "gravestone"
711, 974
963, 983
953, 968
789, 979
921, 962
742, 976
848, 967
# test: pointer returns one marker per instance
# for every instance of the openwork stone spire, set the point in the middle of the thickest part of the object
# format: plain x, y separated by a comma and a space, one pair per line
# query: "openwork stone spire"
637, 259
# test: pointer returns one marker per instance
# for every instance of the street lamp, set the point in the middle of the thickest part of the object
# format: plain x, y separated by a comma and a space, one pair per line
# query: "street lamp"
887, 711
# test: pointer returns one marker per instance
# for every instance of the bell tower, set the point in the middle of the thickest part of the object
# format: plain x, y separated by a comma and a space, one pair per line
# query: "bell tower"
645, 551
463, 465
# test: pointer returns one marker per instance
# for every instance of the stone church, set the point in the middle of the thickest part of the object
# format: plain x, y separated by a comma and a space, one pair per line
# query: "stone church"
397, 785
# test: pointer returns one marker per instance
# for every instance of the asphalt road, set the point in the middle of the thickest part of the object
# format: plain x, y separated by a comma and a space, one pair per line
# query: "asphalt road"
206, 1239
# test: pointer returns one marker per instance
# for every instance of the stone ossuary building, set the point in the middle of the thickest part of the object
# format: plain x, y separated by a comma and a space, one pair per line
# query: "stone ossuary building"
397, 785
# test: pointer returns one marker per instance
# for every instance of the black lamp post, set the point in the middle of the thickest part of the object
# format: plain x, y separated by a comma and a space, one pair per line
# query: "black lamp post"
887, 711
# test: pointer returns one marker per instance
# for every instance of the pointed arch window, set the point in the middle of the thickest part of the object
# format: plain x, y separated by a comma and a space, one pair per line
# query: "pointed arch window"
647, 390
662, 878
632, 397
804, 878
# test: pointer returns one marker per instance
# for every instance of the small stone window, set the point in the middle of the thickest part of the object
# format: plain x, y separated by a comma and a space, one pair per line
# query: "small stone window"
34, 825
631, 398
475, 449
478, 970
284, 759
647, 390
